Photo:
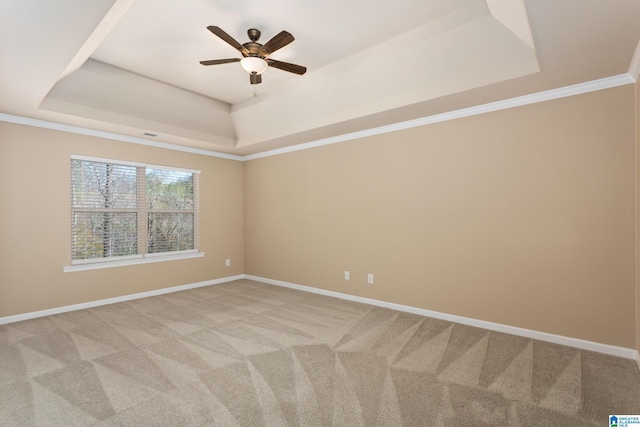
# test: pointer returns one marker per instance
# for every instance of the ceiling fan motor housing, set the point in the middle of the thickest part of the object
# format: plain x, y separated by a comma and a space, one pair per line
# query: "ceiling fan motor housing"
253, 48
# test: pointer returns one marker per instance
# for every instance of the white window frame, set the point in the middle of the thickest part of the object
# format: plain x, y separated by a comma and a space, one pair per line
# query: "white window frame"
143, 258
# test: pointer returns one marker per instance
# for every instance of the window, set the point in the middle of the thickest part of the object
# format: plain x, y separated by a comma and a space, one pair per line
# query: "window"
124, 211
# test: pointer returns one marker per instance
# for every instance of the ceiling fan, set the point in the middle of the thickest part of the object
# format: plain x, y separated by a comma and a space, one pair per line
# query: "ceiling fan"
255, 56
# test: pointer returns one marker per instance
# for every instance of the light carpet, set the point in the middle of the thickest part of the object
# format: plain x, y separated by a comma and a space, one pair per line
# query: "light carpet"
245, 353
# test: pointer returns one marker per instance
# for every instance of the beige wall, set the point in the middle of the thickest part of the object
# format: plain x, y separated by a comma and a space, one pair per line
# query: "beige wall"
35, 223
524, 217
637, 85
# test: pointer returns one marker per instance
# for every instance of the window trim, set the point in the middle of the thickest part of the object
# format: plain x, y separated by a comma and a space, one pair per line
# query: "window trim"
146, 258
139, 259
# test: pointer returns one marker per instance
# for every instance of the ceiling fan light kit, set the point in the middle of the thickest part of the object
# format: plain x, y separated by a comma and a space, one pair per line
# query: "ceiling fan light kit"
254, 65
255, 56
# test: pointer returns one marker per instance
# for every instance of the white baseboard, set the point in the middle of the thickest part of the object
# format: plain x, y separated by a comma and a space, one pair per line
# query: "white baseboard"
67, 308
626, 353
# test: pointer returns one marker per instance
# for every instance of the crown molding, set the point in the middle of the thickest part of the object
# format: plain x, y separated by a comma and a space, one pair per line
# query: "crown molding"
595, 85
577, 89
113, 136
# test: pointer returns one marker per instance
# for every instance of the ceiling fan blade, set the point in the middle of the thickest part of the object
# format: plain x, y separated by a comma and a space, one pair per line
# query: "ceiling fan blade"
219, 61
279, 41
255, 79
292, 68
227, 38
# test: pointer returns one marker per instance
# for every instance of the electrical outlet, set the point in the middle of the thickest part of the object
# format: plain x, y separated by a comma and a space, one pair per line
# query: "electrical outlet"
370, 278
347, 275
227, 263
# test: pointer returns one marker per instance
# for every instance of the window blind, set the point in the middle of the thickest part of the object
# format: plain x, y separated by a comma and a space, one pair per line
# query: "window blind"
171, 207
120, 210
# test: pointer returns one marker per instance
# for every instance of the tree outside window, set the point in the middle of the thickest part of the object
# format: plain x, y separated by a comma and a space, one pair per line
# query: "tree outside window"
121, 209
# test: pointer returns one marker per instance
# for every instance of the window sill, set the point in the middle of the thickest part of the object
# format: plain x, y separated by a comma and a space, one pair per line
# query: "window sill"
135, 261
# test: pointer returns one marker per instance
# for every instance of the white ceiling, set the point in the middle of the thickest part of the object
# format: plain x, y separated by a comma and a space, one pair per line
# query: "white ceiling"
132, 66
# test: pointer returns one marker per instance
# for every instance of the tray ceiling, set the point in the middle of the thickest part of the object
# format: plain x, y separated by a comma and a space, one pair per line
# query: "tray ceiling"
132, 66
